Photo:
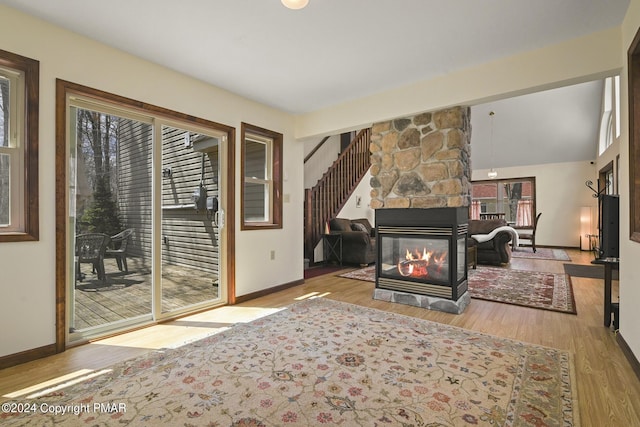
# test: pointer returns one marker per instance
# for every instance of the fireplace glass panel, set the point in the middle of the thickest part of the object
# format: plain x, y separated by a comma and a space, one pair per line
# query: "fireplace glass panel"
461, 258
420, 258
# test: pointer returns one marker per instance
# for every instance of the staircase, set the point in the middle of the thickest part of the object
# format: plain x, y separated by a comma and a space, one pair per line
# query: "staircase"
328, 196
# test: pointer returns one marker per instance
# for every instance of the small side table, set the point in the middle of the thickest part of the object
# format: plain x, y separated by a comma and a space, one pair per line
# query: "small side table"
332, 246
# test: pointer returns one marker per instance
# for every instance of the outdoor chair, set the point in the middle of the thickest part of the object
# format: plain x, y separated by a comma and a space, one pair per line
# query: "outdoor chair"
90, 249
119, 244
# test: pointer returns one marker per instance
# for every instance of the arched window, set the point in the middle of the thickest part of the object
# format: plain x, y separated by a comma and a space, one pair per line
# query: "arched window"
606, 121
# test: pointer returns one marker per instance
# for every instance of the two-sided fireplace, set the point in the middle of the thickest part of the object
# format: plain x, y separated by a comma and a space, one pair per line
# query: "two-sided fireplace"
422, 251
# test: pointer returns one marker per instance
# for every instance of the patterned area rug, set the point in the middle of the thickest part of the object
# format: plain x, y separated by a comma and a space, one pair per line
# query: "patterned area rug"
541, 253
548, 291
368, 274
323, 362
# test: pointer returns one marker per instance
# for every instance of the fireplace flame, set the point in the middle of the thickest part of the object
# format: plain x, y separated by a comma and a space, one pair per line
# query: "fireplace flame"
425, 255
421, 264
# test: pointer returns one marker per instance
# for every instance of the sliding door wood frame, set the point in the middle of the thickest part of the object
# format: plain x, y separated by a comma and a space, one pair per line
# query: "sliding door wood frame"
63, 90
634, 138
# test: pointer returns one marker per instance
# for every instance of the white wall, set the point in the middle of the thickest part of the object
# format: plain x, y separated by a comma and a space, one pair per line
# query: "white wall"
560, 193
321, 159
629, 251
27, 269
351, 209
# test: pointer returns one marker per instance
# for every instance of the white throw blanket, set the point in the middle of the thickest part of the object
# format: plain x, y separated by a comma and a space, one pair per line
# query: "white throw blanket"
486, 237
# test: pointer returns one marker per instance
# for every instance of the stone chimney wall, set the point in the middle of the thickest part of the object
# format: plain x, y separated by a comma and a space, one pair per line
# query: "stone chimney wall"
422, 161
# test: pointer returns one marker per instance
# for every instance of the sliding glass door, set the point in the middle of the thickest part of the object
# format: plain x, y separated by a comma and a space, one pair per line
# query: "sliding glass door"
191, 218
110, 221
145, 230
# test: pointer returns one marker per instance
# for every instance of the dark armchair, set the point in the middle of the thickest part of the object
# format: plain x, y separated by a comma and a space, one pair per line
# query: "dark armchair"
495, 250
358, 240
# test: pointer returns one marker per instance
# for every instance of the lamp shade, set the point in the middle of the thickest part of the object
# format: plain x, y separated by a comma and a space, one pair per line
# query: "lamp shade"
295, 4
585, 227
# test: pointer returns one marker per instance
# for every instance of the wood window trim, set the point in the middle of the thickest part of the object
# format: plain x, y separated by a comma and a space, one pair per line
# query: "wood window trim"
277, 138
602, 179
65, 88
634, 138
31, 69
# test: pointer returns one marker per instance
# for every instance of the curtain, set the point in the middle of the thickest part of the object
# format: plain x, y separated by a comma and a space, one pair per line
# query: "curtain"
475, 209
524, 213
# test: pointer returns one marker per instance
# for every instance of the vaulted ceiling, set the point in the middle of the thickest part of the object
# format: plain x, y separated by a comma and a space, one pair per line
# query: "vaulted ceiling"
554, 126
338, 50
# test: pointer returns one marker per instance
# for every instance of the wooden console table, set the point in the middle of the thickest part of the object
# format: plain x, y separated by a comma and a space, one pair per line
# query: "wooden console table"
610, 264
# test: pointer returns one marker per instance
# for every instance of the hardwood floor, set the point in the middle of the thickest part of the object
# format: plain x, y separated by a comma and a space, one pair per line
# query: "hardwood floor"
608, 389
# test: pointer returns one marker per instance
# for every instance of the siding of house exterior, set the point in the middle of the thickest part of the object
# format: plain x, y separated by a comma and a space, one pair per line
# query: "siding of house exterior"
190, 237
135, 144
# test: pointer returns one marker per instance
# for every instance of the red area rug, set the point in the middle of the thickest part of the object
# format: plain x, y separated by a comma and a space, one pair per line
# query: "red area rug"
323, 362
548, 291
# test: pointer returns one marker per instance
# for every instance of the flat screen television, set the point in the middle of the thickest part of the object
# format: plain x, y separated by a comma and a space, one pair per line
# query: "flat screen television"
609, 226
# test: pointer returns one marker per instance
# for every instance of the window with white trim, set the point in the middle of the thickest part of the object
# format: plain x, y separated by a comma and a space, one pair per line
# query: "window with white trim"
261, 172
606, 120
616, 102
610, 126
18, 147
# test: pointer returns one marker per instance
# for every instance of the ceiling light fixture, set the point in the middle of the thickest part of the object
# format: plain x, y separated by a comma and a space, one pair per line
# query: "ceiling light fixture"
295, 4
492, 174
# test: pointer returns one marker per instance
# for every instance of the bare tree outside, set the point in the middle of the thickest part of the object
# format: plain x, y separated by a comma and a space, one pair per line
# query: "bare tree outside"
97, 148
513, 191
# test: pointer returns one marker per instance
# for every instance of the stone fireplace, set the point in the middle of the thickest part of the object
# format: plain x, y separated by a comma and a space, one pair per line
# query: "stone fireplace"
420, 183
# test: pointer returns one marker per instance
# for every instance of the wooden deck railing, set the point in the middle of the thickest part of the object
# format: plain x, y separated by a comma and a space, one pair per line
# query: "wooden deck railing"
328, 196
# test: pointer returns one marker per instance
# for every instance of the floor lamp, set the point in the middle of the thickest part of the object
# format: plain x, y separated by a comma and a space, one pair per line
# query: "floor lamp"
585, 228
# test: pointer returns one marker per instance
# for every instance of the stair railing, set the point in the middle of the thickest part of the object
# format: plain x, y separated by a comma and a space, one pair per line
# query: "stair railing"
325, 200
316, 148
